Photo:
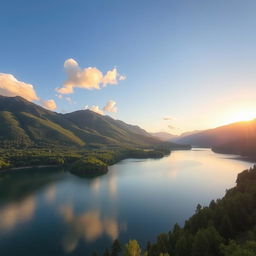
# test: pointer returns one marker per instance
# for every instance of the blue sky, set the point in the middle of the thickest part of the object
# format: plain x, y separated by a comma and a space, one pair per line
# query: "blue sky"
193, 61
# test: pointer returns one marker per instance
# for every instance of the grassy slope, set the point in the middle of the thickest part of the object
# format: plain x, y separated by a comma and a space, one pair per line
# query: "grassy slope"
23, 119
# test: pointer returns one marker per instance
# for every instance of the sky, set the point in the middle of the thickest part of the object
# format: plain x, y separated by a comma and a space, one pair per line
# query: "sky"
164, 65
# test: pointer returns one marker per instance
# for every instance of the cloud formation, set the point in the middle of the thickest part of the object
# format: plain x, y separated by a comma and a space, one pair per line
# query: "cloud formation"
89, 78
171, 127
49, 104
167, 118
10, 87
96, 109
109, 107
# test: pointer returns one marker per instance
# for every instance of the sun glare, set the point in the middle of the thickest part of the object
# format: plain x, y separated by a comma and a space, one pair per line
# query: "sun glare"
243, 115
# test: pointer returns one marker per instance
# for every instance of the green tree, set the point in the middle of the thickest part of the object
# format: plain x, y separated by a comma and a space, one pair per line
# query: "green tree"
106, 252
132, 248
198, 208
207, 242
164, 254
162, 243
116, 248
184, 245
226, 227
234, 249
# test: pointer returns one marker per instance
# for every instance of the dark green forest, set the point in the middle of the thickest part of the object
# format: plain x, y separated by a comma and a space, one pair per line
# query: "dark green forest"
79, 161
227, 227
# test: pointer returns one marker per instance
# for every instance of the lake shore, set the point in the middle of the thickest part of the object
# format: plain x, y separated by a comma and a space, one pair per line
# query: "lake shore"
27, 167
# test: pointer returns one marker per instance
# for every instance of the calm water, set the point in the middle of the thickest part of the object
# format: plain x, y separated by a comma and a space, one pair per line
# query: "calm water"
51, 212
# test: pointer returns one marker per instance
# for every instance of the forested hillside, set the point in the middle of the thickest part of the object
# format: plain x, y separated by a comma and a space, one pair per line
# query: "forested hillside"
31, 135
25, 123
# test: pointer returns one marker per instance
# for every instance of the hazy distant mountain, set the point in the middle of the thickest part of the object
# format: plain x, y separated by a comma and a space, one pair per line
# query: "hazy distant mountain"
189, 133
237, 138
183, 135
164, 136
23, 122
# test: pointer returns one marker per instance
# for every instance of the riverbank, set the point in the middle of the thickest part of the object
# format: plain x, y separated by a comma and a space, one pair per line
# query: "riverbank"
27, 167
43, 158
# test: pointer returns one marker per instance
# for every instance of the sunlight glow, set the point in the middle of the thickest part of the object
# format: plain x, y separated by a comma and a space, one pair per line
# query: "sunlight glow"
242, 115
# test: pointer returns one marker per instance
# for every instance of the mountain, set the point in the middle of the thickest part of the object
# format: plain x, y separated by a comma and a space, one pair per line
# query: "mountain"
239, 147
238, 138
25, 123
163, 136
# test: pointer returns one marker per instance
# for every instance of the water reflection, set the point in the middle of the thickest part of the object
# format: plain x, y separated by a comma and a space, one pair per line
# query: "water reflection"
112, 185
52, 212
50, 194
17, 185
95, 185
87, 226
16, 213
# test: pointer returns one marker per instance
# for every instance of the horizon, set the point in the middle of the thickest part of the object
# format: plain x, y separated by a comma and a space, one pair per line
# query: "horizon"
167, 132
170, 67
128, 128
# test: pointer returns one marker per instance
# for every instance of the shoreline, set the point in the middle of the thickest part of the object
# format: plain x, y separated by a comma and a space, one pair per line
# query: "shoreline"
119, 160
28, 167
49, 166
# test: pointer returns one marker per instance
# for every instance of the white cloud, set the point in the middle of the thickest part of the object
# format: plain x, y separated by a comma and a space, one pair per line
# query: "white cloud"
110, 106
167, 118
89, 78
96, 109
171, 127
121, 77
111, 77
49, 104
10, 87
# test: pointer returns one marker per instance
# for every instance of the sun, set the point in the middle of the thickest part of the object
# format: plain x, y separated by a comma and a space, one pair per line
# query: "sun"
242, 115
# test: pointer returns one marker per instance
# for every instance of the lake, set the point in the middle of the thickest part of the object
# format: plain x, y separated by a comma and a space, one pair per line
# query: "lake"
52, 212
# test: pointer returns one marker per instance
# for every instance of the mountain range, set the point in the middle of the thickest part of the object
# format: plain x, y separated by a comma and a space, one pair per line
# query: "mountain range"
163, 136
236, 138
25, 123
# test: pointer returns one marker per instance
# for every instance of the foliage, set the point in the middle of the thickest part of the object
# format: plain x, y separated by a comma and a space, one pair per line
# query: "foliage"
132, 248
3, 164
247, 248
88, 165
116, 248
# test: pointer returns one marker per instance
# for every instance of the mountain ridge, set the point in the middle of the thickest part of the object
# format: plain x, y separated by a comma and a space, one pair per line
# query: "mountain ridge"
30, 123
235, 138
